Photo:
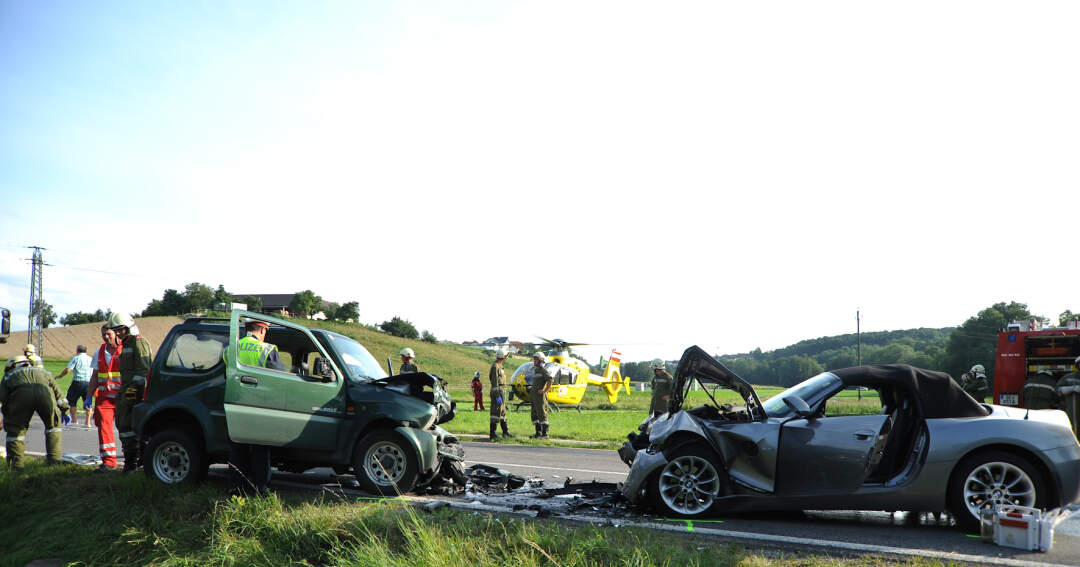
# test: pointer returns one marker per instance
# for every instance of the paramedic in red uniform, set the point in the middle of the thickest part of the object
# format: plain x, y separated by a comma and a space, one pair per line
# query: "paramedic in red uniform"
104, 386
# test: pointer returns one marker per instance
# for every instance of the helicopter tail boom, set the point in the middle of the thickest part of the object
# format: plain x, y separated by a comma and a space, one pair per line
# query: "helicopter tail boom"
613, 380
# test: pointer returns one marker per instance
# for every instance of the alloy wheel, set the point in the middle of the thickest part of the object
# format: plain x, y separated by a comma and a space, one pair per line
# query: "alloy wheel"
995, 484
688, 485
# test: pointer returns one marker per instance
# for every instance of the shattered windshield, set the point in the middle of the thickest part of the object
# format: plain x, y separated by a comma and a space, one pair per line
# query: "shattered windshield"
810, 390
359, 364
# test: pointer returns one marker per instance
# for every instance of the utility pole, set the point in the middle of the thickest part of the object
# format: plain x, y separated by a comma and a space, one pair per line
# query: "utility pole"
858, 344
33, 329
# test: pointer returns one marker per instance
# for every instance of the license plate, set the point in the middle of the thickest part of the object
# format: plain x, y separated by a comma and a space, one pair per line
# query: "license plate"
1010, 399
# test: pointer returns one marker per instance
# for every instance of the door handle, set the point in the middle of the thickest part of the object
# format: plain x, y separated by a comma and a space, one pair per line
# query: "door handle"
863, 435
249, 380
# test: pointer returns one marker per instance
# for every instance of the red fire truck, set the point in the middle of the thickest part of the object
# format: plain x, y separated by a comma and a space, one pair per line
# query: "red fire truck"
1025, 349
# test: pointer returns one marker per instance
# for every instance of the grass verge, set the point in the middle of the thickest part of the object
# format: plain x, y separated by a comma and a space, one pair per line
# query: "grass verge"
83, 518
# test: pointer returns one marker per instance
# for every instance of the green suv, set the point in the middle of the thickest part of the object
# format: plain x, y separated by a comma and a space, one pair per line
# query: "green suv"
333, 406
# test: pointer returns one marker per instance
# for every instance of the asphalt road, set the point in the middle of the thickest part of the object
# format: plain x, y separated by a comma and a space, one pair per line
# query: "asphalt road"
831, 532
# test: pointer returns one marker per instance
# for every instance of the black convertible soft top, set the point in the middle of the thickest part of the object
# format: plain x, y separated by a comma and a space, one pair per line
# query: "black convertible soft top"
938, 395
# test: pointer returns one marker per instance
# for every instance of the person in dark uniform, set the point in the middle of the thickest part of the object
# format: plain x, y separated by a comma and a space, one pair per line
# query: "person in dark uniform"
24, 391
976, 385
408, 364
499, 394
134, 365
538, 389
661, 389
1040, 391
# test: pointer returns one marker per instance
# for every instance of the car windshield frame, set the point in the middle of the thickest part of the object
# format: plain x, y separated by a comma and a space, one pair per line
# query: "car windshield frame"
812, 390
358, 364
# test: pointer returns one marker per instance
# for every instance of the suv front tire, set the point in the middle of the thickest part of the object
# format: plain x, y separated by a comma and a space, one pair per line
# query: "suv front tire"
385, 464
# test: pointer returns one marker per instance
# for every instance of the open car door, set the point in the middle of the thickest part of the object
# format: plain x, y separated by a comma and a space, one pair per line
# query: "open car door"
283, 408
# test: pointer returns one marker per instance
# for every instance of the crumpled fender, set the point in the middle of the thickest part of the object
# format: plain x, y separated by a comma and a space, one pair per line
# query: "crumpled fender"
426, 446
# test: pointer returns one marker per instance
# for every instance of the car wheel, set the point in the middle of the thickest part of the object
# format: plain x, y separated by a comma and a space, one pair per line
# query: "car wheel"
173, 456
689, 484
385, 464
993, 478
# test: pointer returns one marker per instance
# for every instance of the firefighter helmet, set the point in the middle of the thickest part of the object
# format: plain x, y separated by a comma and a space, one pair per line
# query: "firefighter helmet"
476, 375
407, 352
657, 364
500, 352
29, 349
978, 369
16, 361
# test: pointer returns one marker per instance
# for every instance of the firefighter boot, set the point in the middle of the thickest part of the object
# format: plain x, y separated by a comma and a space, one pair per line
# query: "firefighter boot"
506, 432
53, 451
544, 430
130, 446
537, 434
492, 434
16, 445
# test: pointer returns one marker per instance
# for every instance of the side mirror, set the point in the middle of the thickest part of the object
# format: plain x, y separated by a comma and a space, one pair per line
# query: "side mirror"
798, 406
323, 370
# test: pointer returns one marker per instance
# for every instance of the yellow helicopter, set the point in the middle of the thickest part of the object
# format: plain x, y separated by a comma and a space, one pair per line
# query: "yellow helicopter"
571, 376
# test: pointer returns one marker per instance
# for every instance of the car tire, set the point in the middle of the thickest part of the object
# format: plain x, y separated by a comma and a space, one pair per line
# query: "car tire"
173, 456
385, 463
993, 478
689, 484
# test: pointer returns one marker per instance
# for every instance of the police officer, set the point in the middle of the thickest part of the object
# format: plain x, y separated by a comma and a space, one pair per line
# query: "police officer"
134, 365
1069, 390
249, 465
538, 389
24, 391
661, 388
30, 352
407, 364
1040, 391
977, 385
499, 393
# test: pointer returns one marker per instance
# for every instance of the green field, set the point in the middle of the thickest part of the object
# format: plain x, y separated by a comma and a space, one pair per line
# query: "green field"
74, 515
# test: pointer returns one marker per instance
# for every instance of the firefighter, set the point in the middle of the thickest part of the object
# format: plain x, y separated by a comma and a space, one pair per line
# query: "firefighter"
1069, 390
105, 385
538, 389
976, 385
477, 392
661, 388
134, 365
30, 352
407, 364
27, 390
499, 394
1040, 391
249, 465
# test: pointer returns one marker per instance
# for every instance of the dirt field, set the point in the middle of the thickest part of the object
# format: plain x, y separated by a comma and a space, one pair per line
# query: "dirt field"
60, 342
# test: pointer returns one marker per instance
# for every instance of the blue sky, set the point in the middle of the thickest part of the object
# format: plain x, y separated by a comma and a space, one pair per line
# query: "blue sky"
728, 174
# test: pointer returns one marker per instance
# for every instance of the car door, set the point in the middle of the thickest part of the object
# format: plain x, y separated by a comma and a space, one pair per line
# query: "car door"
282, 408
826, 455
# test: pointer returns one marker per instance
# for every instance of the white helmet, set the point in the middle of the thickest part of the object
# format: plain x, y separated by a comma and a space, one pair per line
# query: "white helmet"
16, 361
119, 319
540, 354
407, 352
978, 369
29, 349
500, 352
658, 364
1077, 361
476, 374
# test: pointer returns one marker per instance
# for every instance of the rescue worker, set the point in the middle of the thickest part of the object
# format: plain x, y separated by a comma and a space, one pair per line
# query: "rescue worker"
249, 465
538, 389
134, 365
30, 352
1069, 390
1040, 391
477, 392
24, 391
407, 364
105, 386
977, 386
500, 391
661, 389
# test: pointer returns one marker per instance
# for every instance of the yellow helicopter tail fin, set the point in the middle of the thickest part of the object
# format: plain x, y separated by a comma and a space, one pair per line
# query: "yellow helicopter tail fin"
613, 378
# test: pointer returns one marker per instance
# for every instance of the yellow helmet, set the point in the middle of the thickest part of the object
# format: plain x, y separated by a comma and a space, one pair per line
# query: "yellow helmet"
29, 349
14, 361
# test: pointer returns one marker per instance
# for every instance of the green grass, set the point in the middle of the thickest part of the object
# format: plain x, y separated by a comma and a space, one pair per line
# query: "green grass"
75, 515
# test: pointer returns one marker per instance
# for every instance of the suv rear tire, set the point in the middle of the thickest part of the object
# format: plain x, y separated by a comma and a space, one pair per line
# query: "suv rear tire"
173, 456
385, 464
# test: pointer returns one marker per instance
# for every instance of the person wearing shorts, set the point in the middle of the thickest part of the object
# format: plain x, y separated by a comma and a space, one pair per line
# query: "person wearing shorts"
81, 368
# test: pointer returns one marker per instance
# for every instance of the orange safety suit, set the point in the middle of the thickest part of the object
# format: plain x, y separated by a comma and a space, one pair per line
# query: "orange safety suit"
108, 386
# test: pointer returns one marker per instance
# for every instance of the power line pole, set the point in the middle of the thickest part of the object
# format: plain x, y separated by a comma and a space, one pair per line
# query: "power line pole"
34, 329
858, 344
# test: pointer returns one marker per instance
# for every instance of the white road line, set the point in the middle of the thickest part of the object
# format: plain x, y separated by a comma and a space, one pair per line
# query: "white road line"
541, 467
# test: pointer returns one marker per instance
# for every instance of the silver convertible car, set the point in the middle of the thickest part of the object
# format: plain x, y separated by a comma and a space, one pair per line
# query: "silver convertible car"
931, 448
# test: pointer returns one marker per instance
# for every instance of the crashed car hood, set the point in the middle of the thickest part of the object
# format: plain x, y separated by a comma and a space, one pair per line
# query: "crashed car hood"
696, 363
427, 387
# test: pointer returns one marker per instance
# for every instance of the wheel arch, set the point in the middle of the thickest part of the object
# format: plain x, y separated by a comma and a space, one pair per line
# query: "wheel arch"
1047, 472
